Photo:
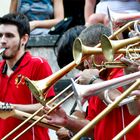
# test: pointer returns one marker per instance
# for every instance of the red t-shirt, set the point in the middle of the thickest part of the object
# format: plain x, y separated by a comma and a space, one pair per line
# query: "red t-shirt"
35, 68
114, 122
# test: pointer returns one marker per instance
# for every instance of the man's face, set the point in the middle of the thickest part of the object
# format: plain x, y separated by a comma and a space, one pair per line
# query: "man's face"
9, 39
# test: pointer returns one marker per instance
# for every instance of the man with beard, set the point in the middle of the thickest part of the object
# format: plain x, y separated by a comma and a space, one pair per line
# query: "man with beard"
14, 35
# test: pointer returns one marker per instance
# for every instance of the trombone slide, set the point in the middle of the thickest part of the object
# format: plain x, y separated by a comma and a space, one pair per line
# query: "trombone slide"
83, 92
24, 115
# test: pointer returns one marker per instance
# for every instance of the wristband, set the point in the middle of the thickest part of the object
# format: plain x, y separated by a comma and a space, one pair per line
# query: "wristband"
94, 77
70, 135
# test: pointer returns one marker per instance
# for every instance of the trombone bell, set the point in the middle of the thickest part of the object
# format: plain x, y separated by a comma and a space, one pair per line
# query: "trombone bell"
77, 50
37, 89
109, 47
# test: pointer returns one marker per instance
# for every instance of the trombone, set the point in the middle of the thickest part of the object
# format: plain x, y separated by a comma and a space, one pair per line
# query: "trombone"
41, 86
108, 46
108, 84
40, 118
83, 92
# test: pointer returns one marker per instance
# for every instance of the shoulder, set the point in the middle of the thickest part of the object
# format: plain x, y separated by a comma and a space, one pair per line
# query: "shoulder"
39, 61
35, 60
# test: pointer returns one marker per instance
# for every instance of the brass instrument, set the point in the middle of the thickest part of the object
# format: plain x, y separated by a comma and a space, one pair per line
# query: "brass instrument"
41, 86
109, 47
127, 128
53, 106
38, 88
83, 92
7, 112
80, 50
114, 47
87, 90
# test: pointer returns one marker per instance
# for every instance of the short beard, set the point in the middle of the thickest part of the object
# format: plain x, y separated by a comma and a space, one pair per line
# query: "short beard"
7, 57
10, 57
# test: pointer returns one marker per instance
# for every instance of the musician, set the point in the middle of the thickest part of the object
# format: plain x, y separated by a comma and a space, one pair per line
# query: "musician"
97, 13
14, 36
116, 120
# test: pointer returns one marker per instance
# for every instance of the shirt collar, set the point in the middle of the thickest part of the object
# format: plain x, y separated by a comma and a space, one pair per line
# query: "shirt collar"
21, 62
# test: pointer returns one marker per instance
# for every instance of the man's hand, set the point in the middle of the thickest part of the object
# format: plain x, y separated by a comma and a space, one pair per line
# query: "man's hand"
63, 134
57, 116
131, 66
87, 75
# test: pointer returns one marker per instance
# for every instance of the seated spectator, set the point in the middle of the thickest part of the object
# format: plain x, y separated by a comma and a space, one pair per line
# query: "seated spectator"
99, 15
42, 14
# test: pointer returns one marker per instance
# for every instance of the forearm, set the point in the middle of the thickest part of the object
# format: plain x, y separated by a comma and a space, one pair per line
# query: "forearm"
89, 8
75, 125
45, 23
30, 108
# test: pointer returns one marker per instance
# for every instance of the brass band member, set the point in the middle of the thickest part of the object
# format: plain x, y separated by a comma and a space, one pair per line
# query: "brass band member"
14, 35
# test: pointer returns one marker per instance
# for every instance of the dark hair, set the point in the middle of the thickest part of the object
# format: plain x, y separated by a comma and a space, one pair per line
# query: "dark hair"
92, 34
20, 20
65, 44
89, 36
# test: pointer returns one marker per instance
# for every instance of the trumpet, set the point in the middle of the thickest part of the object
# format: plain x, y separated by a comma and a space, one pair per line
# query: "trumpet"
114, 104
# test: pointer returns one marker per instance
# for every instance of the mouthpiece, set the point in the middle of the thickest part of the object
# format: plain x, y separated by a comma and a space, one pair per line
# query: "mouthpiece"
2, 50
